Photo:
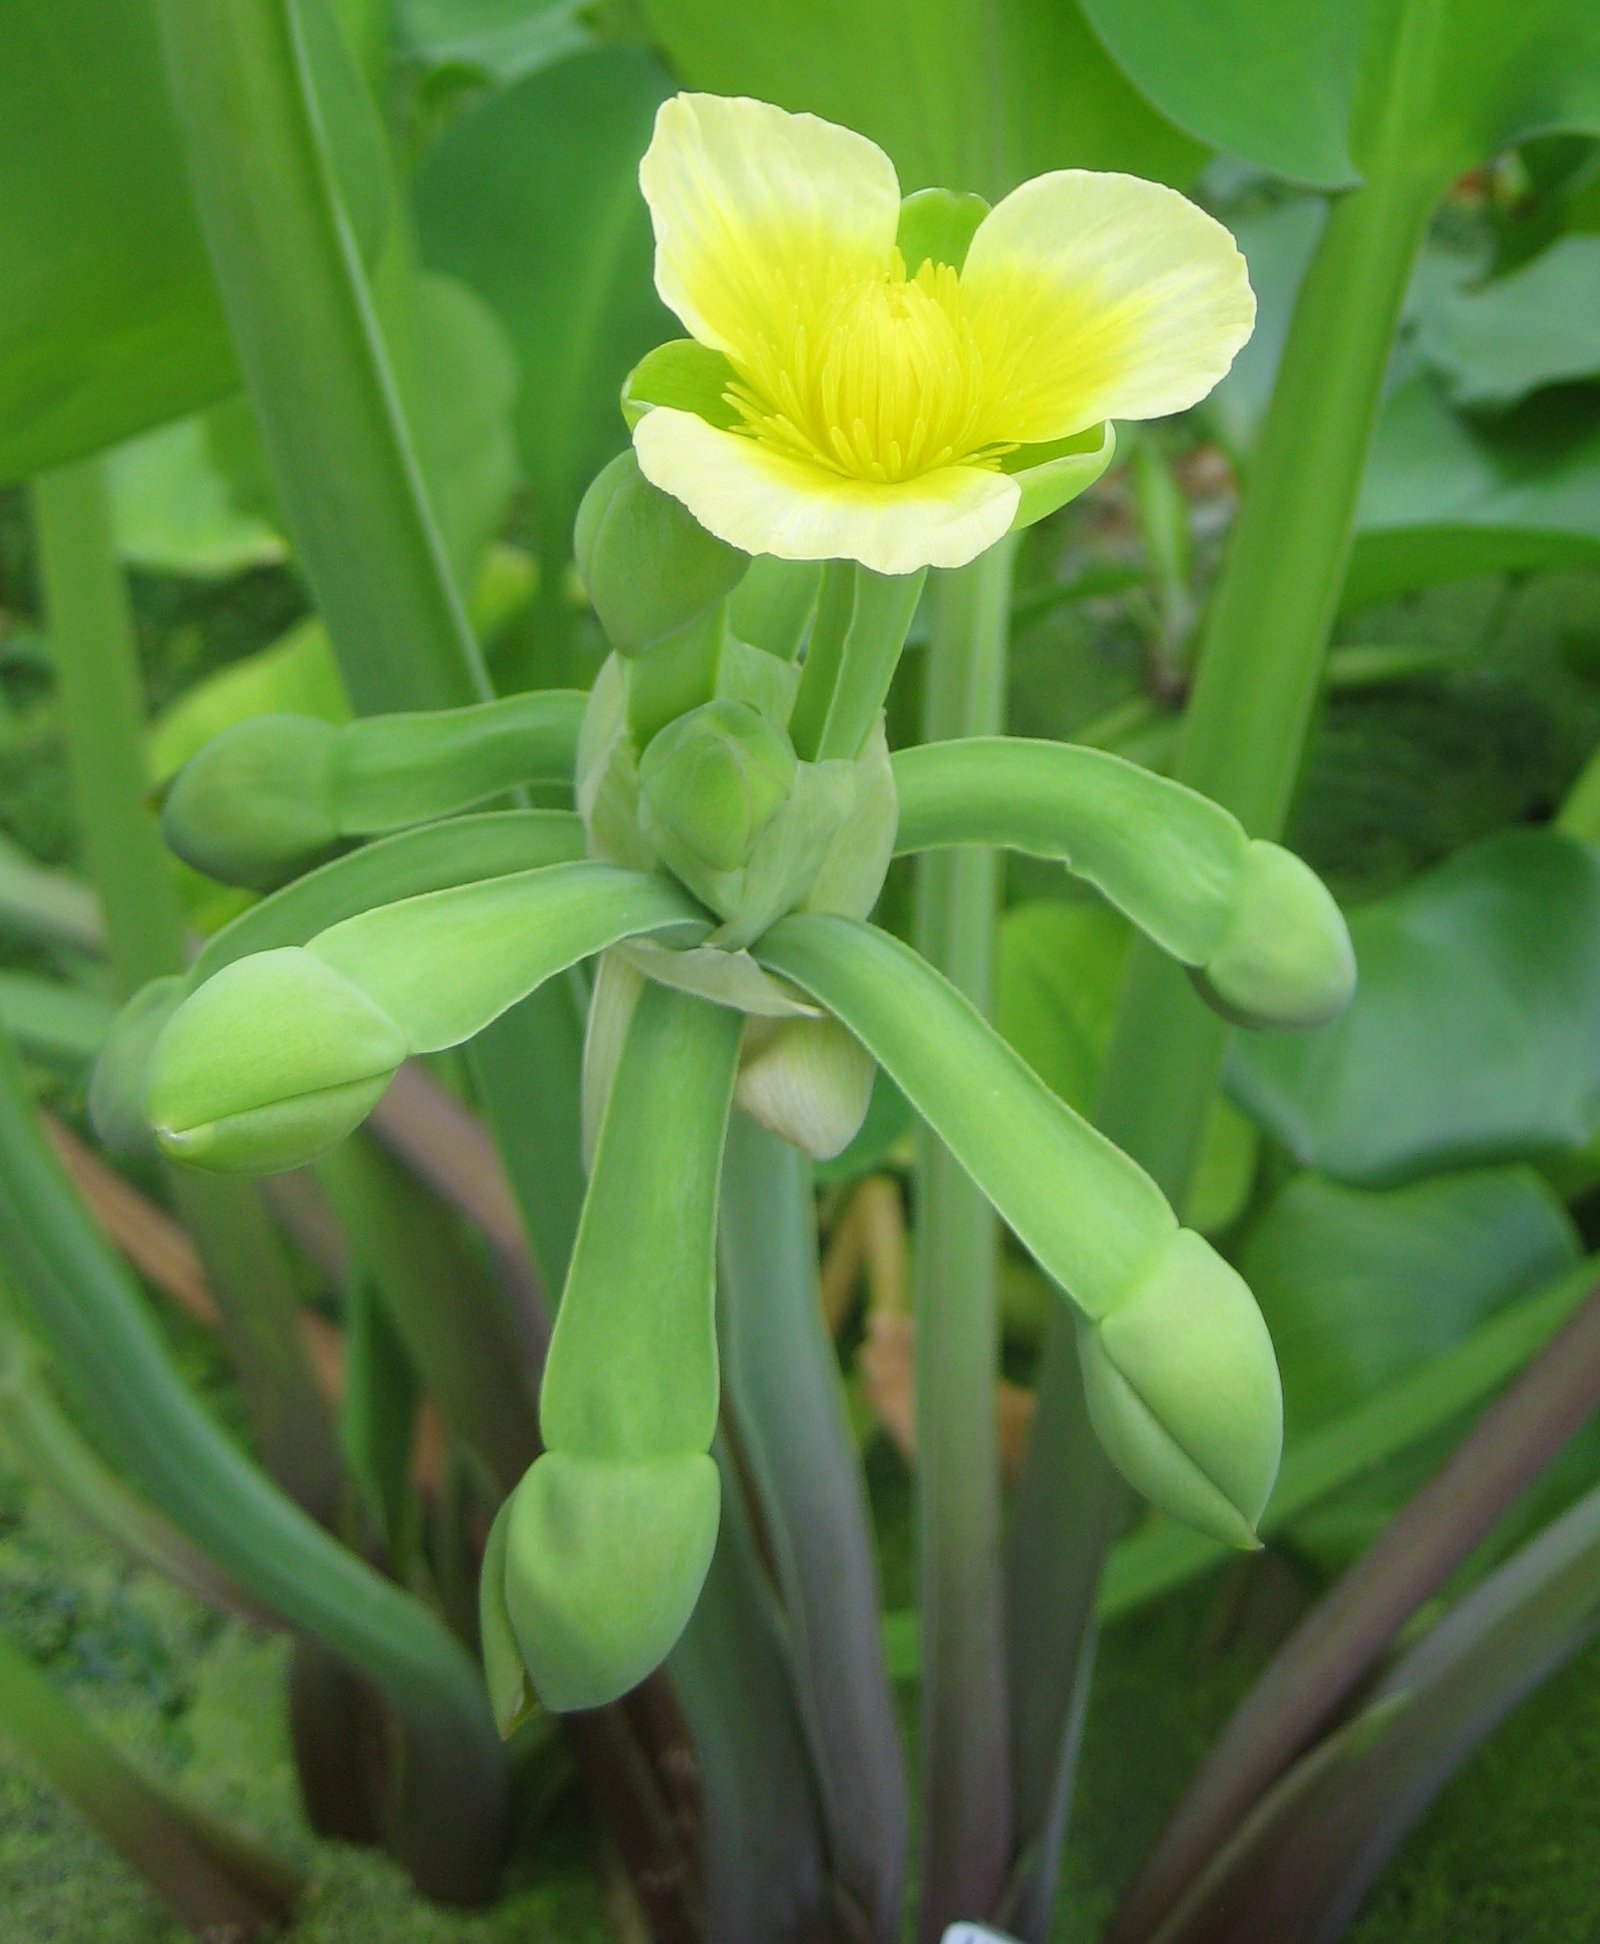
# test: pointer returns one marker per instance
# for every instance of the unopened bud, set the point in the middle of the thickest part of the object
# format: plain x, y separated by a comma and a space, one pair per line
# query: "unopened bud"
807, 1080
604, 1561
255, 806
270, 1063
1287, 960
647, 564
709, 785
1183, 1391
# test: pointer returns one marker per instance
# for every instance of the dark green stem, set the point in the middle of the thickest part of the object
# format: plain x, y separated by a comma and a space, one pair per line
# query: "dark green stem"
966, 1765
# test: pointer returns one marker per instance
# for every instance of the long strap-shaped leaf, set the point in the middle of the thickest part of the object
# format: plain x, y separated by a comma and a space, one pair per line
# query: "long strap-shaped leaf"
609, 1536
1258, 927
1181, 1379
278, 1056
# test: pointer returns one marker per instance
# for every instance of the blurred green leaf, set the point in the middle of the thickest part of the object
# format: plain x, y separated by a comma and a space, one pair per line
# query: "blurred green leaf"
464, 403
1446, 496
532, 199
1474, 1035
1361, 1287
1538, 326
1058, 977
1301, 87
110, 322
176, 511
1272, 84
907, 74
503, 39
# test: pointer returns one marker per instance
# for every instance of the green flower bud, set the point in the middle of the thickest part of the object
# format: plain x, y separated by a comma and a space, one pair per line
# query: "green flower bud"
648, 566
255, 806
270, 1063
709, 785
117, 1085
807, 1080
604, 1561
1287, 960
1183, 1391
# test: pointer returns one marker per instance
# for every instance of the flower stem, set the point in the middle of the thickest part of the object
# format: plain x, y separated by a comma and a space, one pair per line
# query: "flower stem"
861, 624
966, 1766
1258, 680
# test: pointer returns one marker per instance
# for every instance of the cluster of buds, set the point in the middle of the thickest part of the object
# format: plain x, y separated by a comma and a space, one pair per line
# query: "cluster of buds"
736, 808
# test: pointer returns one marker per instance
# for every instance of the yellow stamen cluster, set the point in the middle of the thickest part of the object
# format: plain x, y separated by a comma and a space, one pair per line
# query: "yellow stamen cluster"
881, 379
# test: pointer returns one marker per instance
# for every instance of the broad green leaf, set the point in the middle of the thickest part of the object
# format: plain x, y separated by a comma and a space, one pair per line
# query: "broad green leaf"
1310, 88
1447, 496
503, 39
532, 198
1474, 1035
175, 510
1270, 83
1361, 1287
903, 73
110, 321
1538, 326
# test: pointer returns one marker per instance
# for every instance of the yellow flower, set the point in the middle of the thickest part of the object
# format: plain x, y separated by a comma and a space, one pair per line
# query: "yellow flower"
838, 402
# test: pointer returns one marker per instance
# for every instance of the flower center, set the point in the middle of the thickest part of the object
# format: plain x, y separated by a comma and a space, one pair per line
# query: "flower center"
881, 379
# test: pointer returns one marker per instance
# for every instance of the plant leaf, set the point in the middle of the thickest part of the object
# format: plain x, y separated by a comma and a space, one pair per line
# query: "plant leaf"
1474, 1035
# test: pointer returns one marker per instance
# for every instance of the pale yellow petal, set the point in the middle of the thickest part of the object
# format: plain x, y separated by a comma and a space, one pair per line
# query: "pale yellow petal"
1100, 296
751, 205
769, 503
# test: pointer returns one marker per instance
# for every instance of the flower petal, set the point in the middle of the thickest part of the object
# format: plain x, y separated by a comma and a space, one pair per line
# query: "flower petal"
750, 203
768, 503
1101, 296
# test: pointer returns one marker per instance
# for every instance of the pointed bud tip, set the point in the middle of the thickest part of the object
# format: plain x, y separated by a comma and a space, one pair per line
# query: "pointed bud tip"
1287, 961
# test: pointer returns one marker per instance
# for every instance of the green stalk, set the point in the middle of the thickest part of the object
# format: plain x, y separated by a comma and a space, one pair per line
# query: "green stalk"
313, 353
967, 1829
102, 703
88, 1313
1257, 684
220, 1881
862, 618
322, 382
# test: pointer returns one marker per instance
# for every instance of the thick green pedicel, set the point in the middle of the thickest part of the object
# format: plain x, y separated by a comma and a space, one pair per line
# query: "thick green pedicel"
610, 1533
1263, 938
117, 1085
648, 567
1176, 1354
281, 1054
277, 794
